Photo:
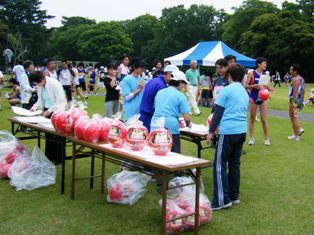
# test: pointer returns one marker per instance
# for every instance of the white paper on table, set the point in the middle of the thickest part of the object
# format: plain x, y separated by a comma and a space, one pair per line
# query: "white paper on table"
196, 128
47, 125
264, 80
147, 154
25, 112
35, 119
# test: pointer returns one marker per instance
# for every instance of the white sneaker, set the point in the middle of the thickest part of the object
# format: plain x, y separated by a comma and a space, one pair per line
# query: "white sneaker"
267, 142
301, 131
251, 142
257, 119
293, 137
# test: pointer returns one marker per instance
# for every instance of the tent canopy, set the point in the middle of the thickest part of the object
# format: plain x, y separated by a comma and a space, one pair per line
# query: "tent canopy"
207, 53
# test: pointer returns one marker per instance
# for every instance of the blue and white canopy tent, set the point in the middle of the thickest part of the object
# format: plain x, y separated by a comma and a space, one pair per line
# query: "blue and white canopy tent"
206, 54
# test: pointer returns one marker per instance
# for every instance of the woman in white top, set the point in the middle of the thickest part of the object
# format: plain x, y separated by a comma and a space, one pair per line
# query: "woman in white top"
123, 69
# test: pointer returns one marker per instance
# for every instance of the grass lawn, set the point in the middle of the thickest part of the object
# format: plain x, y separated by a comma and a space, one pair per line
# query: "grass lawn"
277, 189
280, 97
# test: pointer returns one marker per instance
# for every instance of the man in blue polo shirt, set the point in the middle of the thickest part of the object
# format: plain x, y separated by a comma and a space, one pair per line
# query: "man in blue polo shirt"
170, 103
132, 90
231, 116
151, 89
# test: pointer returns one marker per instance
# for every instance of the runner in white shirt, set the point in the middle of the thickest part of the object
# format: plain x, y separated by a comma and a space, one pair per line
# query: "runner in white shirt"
51, 69
66, 77
123, 69
76, 83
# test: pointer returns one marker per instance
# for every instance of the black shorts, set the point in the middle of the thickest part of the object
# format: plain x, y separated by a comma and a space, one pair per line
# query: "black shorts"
205, 94
83, 85
68, 92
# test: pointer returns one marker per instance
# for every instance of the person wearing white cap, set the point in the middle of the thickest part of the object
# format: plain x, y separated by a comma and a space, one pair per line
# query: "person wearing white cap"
151, 89
170, 103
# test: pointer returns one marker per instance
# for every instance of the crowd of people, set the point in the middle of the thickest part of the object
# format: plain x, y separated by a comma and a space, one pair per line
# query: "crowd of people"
170, 93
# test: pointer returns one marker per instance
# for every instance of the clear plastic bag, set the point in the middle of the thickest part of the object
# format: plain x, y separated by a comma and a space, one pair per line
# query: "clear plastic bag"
92, 129
126, 187
10, 150
137, 133
32, 172
181, 202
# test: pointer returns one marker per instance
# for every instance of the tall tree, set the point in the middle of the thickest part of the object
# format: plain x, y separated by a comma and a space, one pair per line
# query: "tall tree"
181, 28
25, 17
240, 21
141, 31
104, 41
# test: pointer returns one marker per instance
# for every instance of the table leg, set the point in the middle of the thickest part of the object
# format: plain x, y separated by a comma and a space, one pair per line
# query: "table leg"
164, 181
197, 198
63, 156
38, 138
73, 170
12, 128
199, 148
103, 167
92, 170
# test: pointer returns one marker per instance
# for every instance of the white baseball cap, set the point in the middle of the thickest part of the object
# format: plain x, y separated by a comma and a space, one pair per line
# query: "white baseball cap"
171, 68
179, 76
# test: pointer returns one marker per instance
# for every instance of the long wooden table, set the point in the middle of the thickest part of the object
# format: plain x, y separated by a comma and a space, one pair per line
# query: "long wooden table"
138, 162
129, 158
196, 137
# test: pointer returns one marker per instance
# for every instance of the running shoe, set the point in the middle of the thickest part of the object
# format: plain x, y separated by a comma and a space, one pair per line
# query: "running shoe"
251, 142
267, 142
225, 206
293, 137
301, 131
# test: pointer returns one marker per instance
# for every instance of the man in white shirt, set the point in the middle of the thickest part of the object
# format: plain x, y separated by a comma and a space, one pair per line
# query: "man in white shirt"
50, 94
51, 69
66, 77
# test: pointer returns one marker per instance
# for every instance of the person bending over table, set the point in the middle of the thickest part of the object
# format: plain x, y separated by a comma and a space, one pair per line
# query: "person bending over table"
51, 97
231, 116
170, 103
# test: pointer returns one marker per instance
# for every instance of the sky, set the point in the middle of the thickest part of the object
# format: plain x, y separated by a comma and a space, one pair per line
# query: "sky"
104, 10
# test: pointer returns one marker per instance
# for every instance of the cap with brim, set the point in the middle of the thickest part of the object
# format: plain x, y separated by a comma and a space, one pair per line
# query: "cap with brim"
171, 68
179, 76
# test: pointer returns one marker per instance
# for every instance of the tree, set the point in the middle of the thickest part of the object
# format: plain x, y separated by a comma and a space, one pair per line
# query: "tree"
238, 23
76, 21
104, 41
141, 31
25, 17
19, 49
63, 43
283, 40
182, 28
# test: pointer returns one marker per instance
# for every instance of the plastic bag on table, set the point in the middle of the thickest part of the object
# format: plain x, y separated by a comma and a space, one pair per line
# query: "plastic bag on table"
76, 113
118, 132
79, 128
10, 150
126, 187
92, 129
32, 172
137, 133
105, 129
160, 139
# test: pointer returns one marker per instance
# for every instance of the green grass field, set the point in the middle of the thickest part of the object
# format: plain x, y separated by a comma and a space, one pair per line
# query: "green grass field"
277, 189
279, 98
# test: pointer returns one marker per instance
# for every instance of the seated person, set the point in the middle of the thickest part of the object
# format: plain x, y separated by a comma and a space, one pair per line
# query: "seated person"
15, 96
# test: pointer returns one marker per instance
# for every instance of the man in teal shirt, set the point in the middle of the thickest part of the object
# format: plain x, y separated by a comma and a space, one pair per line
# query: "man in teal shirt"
193, 77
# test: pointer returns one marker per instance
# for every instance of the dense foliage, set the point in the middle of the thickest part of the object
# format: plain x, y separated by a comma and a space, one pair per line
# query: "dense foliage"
284, 35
